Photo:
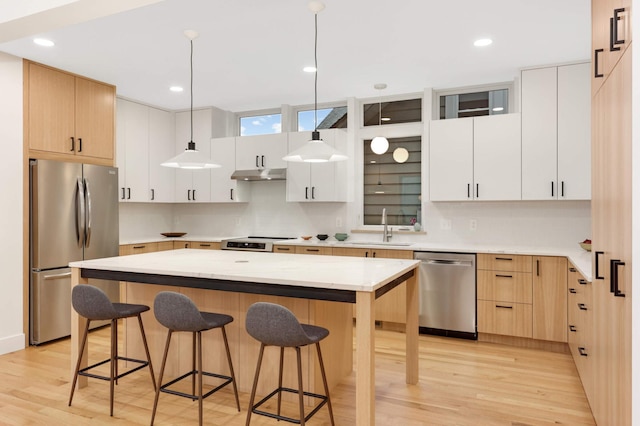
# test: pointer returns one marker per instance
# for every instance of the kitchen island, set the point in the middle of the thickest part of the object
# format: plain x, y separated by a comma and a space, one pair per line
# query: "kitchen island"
323, 280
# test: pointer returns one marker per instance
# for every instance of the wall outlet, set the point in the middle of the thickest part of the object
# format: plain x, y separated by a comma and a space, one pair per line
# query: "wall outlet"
445, 224
338, 222
473, 224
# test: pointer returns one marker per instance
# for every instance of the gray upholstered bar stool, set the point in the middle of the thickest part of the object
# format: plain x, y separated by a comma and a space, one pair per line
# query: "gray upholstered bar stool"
275, 325
94, 305
178, 313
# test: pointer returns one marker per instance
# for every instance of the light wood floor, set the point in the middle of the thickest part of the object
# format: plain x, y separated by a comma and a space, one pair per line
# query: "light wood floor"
461, 383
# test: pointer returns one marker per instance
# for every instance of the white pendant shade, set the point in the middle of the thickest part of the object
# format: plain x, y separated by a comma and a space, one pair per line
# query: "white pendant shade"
400, 155
379, 145
315, 151
190, 159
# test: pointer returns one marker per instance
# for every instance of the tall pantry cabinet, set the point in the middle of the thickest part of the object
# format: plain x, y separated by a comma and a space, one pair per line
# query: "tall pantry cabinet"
609, 391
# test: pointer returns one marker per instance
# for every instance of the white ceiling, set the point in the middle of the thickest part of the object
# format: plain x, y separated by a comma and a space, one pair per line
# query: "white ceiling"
250, 53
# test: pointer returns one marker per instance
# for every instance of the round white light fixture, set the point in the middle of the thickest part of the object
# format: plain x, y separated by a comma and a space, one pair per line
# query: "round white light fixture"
400, 155
309, 69
43, 42
176, 89
482, 42
379, 145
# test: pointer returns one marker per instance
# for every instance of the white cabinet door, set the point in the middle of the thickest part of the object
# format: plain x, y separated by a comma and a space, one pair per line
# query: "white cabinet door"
132, 151
539, 134
193, 185
223, 188
317, 181
496, 157
574, 132
261, 151
451, 160
161, 148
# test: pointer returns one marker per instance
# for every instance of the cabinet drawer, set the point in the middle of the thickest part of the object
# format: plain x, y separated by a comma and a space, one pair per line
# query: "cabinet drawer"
128, 249
313, 250
284, 249
505, 286
204, 245
511, 319
504, 262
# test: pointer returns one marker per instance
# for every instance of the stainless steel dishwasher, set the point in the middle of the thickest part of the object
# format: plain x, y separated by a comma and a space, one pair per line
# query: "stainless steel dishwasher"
448, 294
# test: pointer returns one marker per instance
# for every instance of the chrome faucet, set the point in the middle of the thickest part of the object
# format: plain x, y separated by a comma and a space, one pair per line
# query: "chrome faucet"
387, 232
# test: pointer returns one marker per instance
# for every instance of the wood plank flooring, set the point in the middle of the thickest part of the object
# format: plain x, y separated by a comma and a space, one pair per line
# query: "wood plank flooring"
461, 383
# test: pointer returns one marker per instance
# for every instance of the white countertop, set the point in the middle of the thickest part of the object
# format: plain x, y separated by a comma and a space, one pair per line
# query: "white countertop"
325, 272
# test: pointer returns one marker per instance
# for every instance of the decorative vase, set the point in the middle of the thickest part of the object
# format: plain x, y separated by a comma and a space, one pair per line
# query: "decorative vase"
417, 226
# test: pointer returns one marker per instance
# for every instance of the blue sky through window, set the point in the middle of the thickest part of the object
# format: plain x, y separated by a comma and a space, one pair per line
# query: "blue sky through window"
306, 118
261, 124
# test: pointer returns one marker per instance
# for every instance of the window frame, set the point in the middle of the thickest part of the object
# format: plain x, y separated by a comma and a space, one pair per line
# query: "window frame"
258, 113
310, 107
514, 105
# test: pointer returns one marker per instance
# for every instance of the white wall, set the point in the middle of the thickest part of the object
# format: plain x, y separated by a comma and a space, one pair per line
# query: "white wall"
11, 336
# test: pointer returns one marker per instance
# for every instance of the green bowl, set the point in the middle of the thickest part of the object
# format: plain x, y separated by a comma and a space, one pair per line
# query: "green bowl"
341, 236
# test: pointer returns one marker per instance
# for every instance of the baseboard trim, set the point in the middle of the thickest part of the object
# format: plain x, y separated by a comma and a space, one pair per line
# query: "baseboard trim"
12, 343
523, 342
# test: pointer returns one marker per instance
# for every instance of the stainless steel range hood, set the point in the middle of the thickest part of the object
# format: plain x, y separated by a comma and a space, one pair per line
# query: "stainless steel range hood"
263, 175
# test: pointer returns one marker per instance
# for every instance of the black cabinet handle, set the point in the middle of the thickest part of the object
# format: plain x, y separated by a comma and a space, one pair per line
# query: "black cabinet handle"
562, 189
257, 161
538, 267
573, 328
596, 63
582, 282
79, 144
128, 193
374, 254
582, 306
504, 307
572, 291
306, 192
204, 245
598, 276
153, 194
613, 31
263, 161
503, 276
194, 194
366, 254
504, 258
583, 351
572, 269
552, 191
73, 144
615, 289
283, 249
138, 247
313, 250
468, 190
122, 198
313, 192
188, 195
477, 190
231, 194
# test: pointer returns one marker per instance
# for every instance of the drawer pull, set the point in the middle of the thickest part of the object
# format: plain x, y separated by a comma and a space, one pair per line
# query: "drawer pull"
283, 248
139, 247
573, 328
205, 245
582, 282
583, 351
582, 306
573, 269
313, 250
504, 258
572, 291
503, 276
504, 307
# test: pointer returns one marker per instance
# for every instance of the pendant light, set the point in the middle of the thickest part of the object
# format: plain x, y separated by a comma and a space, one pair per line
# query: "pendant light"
379, 144
190, 158
316, 150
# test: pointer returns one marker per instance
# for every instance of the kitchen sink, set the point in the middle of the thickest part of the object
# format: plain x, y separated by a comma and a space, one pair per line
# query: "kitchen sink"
379, 243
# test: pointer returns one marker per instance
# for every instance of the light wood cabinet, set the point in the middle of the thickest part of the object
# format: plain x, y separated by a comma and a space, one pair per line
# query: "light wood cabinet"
308, 182
550, 298
314, 250
202, 245
283, 249
607, 49
475, 158
580, 326
193, 185
68, 117
556, 133
127, 249
505, 318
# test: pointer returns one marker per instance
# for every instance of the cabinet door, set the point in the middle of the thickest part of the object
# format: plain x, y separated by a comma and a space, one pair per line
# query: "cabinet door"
298, 174
574, 132
539, 134
51, 110
161, 148
261, 152
497, 157
193, 185
223, 188
133, 151
95, 117
451, 160
550, 298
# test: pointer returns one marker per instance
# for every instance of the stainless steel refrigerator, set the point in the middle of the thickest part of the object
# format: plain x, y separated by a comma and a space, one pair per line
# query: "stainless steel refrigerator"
73, 216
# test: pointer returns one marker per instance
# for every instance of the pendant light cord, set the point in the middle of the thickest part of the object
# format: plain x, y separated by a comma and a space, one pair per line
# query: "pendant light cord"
315, 92
191, 75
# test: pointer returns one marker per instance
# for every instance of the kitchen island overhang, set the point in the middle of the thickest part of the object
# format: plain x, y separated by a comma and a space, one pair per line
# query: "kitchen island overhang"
321, 278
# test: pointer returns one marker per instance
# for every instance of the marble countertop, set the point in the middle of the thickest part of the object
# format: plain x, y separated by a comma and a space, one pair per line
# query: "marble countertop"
324, 272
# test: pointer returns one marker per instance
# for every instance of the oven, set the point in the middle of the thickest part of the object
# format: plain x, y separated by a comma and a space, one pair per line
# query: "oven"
252, 243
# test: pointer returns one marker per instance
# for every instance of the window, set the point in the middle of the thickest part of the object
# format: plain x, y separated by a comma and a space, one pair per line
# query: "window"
260, 124
328, 118
474, 104
391, 184
393, 112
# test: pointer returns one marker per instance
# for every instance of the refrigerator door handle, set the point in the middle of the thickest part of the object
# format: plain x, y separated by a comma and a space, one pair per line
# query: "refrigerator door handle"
57, 276
87, 231
80, 213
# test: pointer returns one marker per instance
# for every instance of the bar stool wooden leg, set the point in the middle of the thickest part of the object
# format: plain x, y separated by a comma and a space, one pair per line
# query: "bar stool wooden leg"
164, 363
252, 399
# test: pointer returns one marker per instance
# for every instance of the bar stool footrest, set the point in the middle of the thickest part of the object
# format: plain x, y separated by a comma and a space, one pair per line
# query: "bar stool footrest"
84, 371
227, 380
255, 410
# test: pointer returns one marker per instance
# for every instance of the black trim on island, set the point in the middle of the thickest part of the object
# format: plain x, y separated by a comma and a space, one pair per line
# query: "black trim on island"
332, 295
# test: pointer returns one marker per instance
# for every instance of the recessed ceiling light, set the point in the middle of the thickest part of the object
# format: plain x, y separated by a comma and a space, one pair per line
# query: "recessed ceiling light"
498, 109
176, 89
385, 119
43, 42
482, 42
309, 69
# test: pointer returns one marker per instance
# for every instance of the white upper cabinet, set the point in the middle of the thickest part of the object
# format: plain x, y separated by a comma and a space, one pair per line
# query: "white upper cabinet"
475, 158
223, 188
161, 148
451, 159
132, 157
556, 142
261, 151
193, 185
308, 182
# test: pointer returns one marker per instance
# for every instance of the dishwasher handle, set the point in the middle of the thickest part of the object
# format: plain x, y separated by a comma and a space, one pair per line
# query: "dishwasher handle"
448, 262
